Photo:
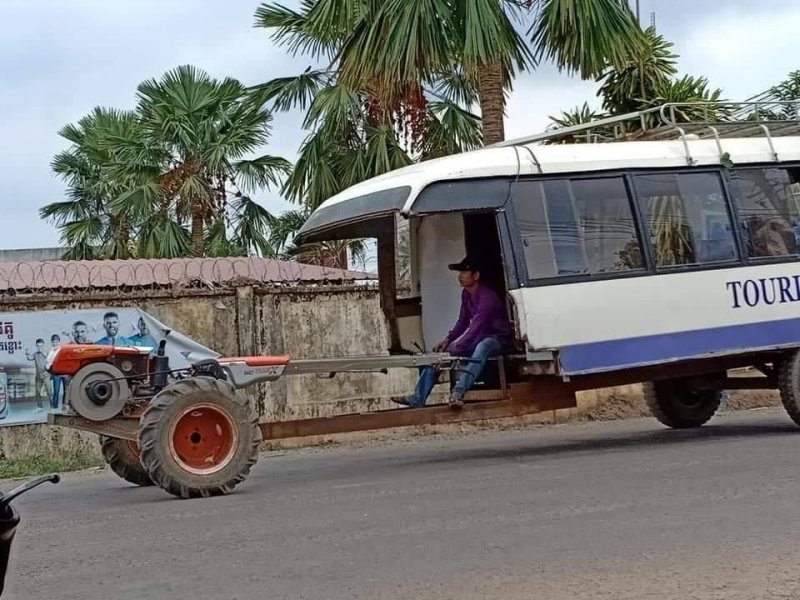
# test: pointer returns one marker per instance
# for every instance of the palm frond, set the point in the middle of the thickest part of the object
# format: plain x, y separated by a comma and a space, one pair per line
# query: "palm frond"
384, 151
337, 103
66, 211
284, 227
219, 243
251, 226
314, 30
163, 238
584, 36
84, 230
485, 33
138, 203
402, 43
262, 172
627, 87
80, 251
313, 179
455, 85
286, 93
452, 129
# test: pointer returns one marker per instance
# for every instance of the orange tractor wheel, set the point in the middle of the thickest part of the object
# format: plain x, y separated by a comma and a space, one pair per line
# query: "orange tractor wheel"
199, 437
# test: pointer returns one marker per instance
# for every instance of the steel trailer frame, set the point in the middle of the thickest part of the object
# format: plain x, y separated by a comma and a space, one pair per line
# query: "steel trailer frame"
541, 391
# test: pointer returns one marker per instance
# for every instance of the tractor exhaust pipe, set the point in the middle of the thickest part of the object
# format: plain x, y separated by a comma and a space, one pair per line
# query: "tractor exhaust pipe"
160, 367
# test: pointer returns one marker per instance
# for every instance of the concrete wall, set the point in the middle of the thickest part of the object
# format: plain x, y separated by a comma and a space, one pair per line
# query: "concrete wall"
304, 322
31, 254
301, 322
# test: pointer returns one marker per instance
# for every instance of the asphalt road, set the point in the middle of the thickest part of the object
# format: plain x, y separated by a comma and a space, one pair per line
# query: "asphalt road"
605, 510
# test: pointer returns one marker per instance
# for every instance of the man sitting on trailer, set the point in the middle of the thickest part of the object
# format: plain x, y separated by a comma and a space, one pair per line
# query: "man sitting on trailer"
482, 331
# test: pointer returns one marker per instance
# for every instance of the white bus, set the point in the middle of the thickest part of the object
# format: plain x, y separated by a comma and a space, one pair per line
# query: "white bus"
672, 259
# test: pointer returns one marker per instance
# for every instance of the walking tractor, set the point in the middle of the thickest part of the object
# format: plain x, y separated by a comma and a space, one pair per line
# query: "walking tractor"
660, 247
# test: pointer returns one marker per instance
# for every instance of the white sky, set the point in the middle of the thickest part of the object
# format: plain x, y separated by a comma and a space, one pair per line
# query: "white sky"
59, 59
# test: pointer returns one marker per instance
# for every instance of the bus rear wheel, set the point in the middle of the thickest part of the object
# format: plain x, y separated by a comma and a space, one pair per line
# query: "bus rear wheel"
789, 385
676, 404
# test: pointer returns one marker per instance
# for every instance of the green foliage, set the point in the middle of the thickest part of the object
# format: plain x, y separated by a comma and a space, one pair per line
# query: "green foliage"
646, 78
44, 465
640, 77
585, 36
170, 178
788, 89
361, 130
402, 77
576, 116
686, 90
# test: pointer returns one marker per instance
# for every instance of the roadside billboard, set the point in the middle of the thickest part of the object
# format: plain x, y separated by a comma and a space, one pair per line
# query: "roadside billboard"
28, 392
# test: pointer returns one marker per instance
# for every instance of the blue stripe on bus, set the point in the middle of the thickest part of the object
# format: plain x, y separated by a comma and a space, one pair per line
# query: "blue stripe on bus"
683, 345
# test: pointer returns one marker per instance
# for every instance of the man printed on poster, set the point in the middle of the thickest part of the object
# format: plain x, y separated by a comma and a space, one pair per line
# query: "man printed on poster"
59, 382
41, 376
80, 332
112, 337
143, 338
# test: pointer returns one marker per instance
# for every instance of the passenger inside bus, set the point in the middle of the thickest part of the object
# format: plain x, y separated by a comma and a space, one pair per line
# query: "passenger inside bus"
482, 331
772, 236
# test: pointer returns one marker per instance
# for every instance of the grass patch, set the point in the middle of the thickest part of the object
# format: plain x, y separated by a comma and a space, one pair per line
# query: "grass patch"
44, 465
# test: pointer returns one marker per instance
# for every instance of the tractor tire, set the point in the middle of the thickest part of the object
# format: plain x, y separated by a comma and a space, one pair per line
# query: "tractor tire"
676, 405
789, 385
122, 456
199, 438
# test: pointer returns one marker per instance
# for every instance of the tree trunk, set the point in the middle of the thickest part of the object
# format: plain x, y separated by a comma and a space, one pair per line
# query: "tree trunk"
198, 243
492, 100
124, 238
121, 238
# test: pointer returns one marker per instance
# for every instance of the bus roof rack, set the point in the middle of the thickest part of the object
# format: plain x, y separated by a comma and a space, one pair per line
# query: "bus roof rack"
681, 121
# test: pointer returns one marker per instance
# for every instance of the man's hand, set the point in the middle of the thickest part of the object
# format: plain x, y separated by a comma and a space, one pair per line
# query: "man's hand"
441, 346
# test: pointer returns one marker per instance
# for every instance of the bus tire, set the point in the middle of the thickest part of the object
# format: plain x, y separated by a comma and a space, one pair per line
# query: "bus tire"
199, 438
122, 457
676, 405
789, 385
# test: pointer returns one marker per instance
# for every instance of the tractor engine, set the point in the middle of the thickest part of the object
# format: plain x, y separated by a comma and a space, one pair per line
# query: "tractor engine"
105, 381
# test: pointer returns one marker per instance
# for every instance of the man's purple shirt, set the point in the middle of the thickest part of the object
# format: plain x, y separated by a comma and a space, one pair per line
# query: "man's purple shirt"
482, 315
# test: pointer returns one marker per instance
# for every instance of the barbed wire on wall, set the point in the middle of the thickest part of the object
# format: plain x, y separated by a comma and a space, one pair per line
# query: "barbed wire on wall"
190, 273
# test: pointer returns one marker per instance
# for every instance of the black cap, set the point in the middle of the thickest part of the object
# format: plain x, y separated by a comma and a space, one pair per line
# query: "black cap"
468, 264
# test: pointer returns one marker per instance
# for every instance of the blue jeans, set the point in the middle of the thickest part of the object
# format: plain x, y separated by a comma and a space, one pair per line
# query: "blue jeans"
486, 349
58, 388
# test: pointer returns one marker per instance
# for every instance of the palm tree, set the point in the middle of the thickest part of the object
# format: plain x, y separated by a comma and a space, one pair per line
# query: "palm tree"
629, 86
689, 89
171, 178
205, 129
787, 90
88, 227
399, 45
579, 116
647, 79
353, 134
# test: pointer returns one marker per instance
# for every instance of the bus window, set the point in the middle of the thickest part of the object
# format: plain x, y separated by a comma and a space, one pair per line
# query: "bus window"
768, 201
577, 227
686, 217
609, 231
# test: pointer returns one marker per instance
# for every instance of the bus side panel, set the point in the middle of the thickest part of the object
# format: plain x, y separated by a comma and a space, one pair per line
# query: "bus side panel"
615, 324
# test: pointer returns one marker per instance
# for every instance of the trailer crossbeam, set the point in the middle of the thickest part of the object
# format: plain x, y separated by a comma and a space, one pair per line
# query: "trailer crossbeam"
520, 400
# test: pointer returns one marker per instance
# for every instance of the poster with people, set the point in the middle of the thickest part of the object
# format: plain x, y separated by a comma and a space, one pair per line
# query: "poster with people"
28, 392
